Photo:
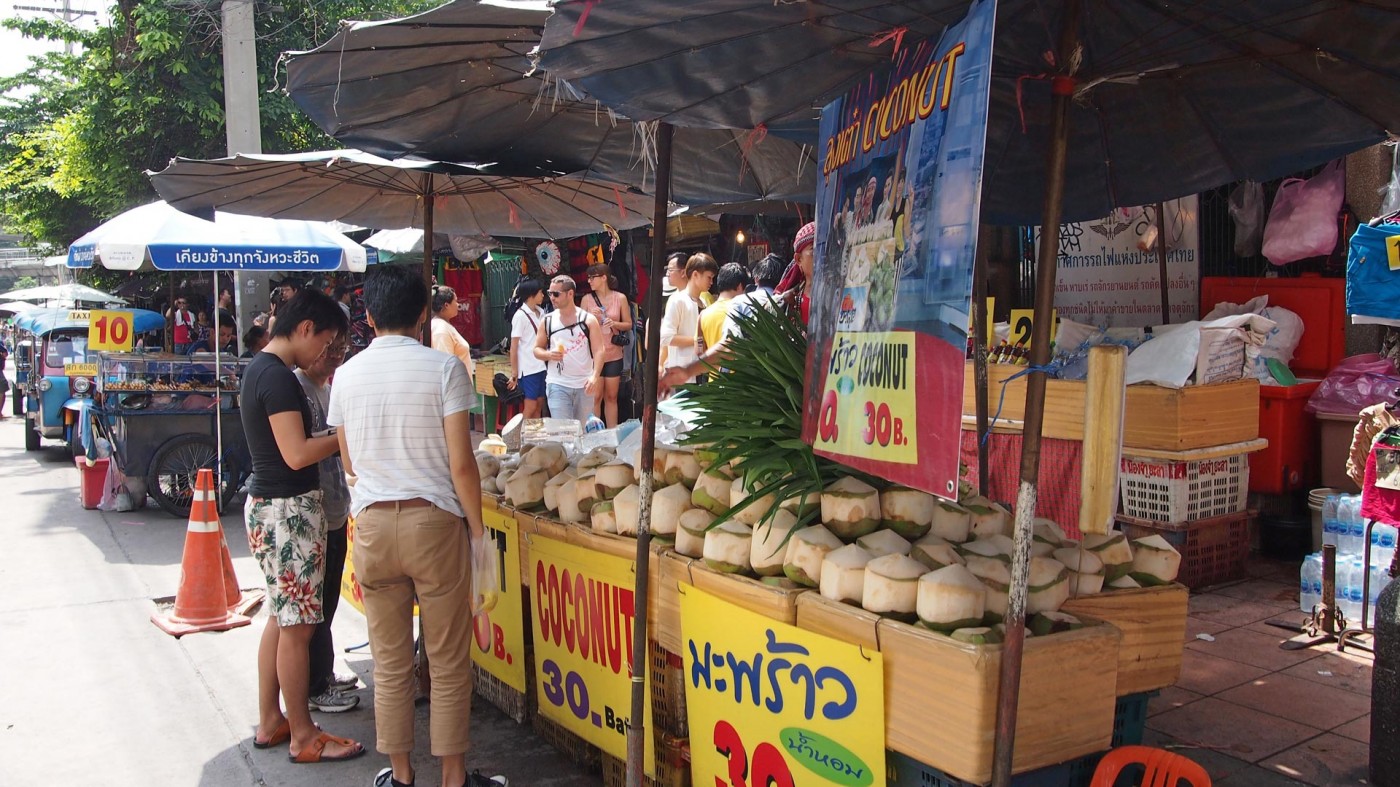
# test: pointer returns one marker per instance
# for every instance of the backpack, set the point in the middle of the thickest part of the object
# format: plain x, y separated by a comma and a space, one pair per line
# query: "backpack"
580, 324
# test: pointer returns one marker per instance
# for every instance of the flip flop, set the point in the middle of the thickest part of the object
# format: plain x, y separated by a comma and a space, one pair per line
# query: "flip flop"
313, 753
282, 734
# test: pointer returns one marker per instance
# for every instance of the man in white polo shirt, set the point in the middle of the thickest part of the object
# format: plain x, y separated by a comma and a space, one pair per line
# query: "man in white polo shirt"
402, 413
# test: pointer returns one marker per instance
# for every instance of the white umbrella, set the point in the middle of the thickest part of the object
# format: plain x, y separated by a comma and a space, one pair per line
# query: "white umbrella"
72, 293
17, 307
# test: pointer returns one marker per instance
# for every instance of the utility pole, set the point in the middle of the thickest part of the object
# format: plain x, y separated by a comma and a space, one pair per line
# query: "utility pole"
251, 290
66, 12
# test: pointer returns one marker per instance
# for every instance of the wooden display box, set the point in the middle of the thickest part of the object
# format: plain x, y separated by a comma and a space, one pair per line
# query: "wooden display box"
747, 592
1167, 419
940, 695
1153, 622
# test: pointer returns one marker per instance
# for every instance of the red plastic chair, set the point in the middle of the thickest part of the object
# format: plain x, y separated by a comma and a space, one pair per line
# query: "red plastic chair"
1164, 768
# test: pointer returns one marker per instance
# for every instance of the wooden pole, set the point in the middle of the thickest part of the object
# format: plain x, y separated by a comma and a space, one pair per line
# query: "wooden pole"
636, 734
1009, 684
980, 320
1104, 403
428, 253
1162, 277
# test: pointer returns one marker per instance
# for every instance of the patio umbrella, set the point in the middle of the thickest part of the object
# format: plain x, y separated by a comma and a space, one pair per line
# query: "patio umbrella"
68, 293
455, 84
17, 307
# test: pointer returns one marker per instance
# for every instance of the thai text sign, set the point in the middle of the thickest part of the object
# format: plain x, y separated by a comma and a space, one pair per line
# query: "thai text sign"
897, 212
584, 605
500, 634
772, 705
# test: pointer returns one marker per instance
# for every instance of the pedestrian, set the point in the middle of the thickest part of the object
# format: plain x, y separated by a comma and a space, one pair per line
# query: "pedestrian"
445, 337
731, 281
680, 325
526, 371
201, 329
403, 414
570, 342
794, 284
286, 528
226, 300
228, 338
254, 340
614, 313
343, 296
4, 381
184, 325
767, 273
327, 690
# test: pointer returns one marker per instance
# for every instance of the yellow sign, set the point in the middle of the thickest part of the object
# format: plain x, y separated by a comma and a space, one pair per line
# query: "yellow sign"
1392, 251
80, 370
772, 705
110, 330
584, 604
1023, 322
500, 634
869, 405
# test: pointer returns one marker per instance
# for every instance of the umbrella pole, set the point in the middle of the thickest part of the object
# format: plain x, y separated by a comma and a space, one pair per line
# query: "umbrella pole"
636, 733
428, 253
1163, 278
218, 403
170, 334
980, 320
1009, 685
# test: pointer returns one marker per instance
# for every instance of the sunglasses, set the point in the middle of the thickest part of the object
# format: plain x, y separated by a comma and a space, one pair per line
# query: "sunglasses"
554, 294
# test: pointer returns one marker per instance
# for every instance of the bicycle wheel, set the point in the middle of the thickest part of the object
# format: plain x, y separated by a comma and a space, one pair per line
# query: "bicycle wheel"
175, 468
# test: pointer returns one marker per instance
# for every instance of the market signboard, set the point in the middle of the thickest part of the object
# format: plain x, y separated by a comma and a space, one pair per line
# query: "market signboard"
774, 705
897, 211
500, 634
584, 605
1109, 275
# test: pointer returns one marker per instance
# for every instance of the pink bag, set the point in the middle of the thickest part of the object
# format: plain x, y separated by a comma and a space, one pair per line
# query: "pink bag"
1354, 384
1303, 220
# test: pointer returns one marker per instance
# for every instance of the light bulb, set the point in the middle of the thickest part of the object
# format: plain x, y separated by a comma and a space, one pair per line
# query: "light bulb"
739, 236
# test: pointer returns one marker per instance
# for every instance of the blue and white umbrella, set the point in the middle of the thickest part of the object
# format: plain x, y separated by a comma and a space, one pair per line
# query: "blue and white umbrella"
157, 236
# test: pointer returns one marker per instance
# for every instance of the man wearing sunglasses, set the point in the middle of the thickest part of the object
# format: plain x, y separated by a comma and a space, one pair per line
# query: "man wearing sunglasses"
570, 342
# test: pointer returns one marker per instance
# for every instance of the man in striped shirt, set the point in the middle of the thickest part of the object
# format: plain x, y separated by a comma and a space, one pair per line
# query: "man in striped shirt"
402, 413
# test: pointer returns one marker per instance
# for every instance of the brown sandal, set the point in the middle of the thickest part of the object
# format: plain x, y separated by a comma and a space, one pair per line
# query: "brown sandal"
314, 753
282, 734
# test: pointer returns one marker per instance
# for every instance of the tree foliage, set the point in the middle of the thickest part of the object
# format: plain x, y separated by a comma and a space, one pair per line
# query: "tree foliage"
78, 132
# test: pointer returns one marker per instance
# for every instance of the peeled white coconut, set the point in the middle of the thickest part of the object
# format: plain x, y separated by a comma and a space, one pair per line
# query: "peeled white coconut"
754, 512
979, 635
488, 485
658, 464
1086, 577
843, 574
526, 487
611, 478
1155, 561
951, 598
892, 586
992, 549
690, 532
551, 488
727, 547
850, 508
1048, 588
996, 577
587, 490
1047, 531
988, 517
935, 553
567, 497
951, 521
603, 517
908, 512
803, 504
553, 457
682, 468
706, 455
770, 543
1124, 582
487, 465
711, 491
806, 549
595, 458
884, 542
667, 505
503, 476
1113, 550
626, 509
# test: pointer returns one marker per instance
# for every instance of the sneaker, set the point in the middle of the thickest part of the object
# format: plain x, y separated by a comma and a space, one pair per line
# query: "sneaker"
476, 779
385, 778
332, 701
345, 682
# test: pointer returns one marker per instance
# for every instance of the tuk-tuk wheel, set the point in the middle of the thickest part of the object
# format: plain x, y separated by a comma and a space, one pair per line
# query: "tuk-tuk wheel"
17, 401
175, 467
75, 444
32, 440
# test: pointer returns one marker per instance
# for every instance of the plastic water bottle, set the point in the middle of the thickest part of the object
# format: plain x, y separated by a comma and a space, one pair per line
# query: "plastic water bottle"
594, 424
1310, 582
1331, 519
1354, 590
1382, 544
1356, 528
1380, 577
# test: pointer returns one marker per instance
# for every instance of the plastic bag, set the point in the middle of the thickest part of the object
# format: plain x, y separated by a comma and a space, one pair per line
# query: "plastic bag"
1390, 202
486, 575
1247, 210
1279, 343
1303, 220
1355, 384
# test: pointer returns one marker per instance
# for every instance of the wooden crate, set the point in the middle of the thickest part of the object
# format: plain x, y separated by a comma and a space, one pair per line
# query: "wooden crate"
1168, 419
1153, 622
940, 695
771, 602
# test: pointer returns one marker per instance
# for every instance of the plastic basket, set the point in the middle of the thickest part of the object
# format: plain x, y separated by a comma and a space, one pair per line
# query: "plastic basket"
1212, 550
668, 709
1171, 490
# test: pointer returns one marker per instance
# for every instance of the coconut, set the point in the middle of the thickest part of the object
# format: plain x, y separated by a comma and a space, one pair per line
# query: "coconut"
891, 586
978, 635
1044, 623
690, 532
843, 574
1155, 561
988, 517
1124, 582
1113, 550
951, 521
996, 577
610, 479
935, 553
1048, 588
803, 561
1086, 577
950, 598
782, 583
754, 512
667, 505
488, 485
993, 549
682, 468
850, 508
626, 509
503, 476
1046, 531
659, 458
487, 465
803, 505
884, 542
711, 491
770, 543
567, 497
526, 487
595, 458
553, 457
906, 511
603, 517
706, 455
727, 547
551, 488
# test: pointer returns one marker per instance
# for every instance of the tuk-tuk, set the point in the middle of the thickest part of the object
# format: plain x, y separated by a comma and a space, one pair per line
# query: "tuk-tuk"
59, 373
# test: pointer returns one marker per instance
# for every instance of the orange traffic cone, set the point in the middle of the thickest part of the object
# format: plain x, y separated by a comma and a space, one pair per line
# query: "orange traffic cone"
202, 602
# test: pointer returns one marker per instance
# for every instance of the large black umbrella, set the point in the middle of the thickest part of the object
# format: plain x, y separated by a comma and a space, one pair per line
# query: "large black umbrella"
454, 84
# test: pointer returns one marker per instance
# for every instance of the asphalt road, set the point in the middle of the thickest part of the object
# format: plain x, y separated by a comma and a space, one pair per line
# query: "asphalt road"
92, 693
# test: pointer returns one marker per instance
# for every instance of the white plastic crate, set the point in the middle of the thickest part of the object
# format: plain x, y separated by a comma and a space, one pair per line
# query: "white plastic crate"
1185, 490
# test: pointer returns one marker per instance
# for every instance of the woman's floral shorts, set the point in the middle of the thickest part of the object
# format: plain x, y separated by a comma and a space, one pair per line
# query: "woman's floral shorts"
287, 536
